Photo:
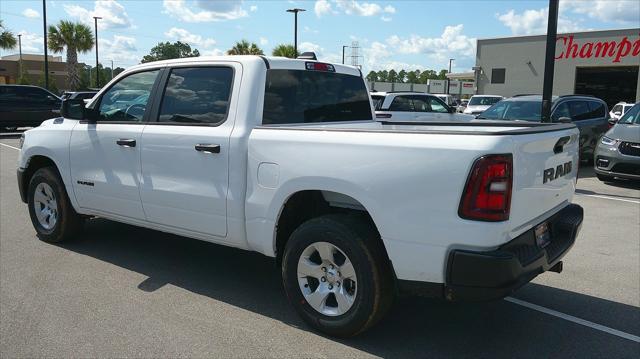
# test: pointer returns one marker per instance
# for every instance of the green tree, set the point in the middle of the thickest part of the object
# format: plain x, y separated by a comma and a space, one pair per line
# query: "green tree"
243, 47
372, 76
75, 37
442, 75
413, 76
7, 38
383, 76
393, 76
167, 50
285, 50
402, 76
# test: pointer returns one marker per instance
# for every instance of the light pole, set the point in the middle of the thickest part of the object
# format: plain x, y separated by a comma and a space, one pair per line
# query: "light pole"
448, 79
112, 69
344, 47
549, 61
20, 52
46, 57
95, 22
295, 12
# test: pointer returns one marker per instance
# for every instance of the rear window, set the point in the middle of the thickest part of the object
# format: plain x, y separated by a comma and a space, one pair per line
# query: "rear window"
301, 96
483, 101
514, 110
377, 101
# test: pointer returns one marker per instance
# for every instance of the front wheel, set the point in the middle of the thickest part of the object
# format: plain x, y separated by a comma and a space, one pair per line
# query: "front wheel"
336, 274
52, 215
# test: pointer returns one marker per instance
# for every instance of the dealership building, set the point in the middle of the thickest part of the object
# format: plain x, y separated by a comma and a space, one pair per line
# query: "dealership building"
604, 64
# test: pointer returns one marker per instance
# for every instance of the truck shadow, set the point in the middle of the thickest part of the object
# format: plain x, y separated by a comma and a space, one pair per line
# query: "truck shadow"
415, 327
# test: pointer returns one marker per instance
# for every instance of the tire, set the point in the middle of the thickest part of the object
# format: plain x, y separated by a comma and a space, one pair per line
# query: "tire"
604, 178
369, 293
52, 215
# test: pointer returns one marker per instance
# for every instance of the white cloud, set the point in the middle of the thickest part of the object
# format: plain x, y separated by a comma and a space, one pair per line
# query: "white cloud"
253, 8
320, 52
263, 41
620, 11
452, 43
207, 11
119, 49
322, 7
535, 22
385, 18
309, 46
214, 52
308, 29
113, 14
30, 13
191, 39
31, 42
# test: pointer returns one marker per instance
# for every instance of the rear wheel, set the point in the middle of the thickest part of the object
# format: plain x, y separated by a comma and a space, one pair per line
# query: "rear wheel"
336, 274
52, 215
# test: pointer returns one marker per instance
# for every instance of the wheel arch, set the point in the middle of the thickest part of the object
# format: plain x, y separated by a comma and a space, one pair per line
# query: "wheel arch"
33, 164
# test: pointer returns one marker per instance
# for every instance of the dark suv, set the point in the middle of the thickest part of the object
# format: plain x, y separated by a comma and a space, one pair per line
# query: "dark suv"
589, 114
26, 106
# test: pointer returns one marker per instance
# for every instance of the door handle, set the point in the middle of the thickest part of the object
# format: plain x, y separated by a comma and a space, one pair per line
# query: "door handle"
207, 148
126, 142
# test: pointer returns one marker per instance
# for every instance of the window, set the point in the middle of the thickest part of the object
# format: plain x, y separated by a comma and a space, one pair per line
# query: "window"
127, 99
436, 105
579, 110
561, 111
402, 104
421, 104
483, 100
377, 101
632, 116
616, 108
303, 96
497, 76
197, 95
597, 110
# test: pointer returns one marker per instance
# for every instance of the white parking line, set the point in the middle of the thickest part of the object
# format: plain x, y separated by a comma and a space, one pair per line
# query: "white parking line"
573, 319
606, 197
15, 148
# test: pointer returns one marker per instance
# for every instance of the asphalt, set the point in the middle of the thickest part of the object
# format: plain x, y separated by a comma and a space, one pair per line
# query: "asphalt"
122, 291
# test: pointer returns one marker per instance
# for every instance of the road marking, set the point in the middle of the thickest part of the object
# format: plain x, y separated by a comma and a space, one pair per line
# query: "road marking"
611, 198
573, 319
15, 148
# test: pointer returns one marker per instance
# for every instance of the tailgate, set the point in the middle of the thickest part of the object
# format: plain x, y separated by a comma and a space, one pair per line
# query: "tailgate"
544, 176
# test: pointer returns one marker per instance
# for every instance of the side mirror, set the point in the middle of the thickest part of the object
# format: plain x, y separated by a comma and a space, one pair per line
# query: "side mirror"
564, 120
75, 109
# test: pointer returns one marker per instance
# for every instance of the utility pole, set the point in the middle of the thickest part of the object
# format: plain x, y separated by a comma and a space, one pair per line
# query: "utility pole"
549, 60
295, 12
343, 47
95, 22
20, 52
448, 79
46, 57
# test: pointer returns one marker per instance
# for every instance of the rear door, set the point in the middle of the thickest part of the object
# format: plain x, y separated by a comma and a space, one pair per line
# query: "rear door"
402, 108
185, 150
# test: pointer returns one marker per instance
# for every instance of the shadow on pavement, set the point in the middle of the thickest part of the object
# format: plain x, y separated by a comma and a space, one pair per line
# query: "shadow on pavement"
415, 327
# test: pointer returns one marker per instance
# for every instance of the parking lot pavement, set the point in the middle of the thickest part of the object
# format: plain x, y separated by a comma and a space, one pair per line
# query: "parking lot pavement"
123, 291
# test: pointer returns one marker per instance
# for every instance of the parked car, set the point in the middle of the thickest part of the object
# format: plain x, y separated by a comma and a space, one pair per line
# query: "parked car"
414, 106
448, 99
618, 110
84, 95
618, 152
463, 104
479, 103
26, 106
588, 113
284, 157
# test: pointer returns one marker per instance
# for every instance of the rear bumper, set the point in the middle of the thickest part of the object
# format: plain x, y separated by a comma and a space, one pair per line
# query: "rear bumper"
473, 275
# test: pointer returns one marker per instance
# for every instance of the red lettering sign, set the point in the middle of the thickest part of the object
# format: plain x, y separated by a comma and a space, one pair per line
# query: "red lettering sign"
615, 50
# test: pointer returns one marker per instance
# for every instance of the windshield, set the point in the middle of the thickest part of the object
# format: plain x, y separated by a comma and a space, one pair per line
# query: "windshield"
303, 96
483, 101
514, 110
632, 117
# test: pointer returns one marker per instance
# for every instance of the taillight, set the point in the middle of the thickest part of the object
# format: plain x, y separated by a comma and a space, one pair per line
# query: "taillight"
487, 194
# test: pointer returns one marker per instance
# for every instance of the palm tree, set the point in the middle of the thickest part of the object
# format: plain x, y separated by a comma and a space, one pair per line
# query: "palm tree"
285, 50
7, 39
245, 48
76, 37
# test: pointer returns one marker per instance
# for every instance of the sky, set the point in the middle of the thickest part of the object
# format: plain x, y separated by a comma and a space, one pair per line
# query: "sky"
391, 34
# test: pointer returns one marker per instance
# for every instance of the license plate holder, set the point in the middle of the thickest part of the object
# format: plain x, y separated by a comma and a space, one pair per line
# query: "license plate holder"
543, 234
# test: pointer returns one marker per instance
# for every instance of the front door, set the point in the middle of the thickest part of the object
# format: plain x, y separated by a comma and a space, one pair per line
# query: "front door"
185, 150
105, 155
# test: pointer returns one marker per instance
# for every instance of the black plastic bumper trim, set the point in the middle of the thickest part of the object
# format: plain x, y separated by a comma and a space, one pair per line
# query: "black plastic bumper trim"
21, 185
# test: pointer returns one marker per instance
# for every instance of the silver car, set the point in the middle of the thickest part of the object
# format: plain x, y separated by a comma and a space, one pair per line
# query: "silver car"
618, 151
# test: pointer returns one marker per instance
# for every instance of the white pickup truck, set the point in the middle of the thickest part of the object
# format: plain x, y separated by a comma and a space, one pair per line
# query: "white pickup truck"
284, 157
